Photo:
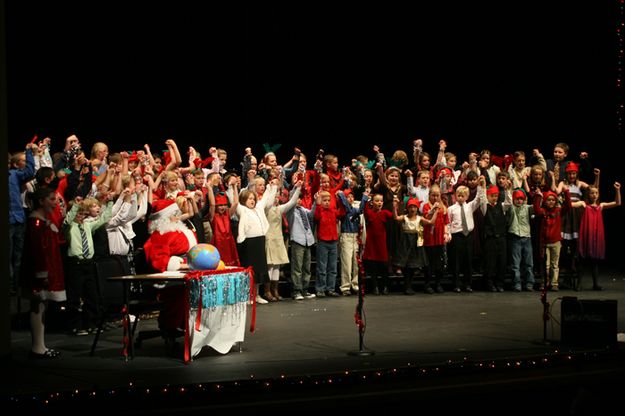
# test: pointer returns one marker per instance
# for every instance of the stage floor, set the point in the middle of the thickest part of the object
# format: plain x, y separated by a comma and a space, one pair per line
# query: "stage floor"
312, 340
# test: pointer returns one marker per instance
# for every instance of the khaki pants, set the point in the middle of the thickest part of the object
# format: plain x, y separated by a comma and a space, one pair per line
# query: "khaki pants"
348, 247
552, 258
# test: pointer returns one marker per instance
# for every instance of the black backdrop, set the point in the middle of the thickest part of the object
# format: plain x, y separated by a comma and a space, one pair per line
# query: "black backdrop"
515, 75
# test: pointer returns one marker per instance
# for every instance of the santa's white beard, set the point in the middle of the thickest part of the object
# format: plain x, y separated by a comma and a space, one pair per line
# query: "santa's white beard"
166, 225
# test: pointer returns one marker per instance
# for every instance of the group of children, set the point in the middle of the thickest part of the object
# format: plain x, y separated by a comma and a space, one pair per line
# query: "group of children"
499, 210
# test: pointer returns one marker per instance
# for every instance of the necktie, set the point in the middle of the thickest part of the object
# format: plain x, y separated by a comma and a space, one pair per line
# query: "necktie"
556, 172
304, 218
463, 216
85, 242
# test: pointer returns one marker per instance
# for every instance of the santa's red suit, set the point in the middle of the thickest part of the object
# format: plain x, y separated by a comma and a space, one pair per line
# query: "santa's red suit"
164, 251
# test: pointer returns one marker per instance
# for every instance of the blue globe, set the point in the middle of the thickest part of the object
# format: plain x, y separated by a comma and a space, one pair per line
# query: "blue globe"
203, 257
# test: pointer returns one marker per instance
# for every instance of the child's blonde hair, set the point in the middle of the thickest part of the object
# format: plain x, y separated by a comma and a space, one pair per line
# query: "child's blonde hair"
462, 190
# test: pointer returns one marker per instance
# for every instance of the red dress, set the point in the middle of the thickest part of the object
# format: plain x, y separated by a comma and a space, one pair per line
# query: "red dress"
591, 243
375, 247
223, 239
44, 260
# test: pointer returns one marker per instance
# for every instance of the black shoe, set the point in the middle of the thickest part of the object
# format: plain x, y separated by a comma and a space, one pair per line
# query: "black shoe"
439, 289
409, 291
332, 293
49, 354
385, 291
468, 289
428, 290
597, 287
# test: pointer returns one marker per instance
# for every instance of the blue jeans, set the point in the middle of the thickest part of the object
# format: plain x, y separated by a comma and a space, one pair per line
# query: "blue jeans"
521, 252
17, 232
327, 255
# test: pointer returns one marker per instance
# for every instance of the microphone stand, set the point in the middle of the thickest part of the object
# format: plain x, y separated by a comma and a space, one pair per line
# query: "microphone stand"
543, 298
359, 315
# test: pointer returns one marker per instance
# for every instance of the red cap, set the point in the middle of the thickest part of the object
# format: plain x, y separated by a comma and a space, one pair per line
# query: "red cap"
221, 199
549, 194
518, 193
413, 201
347, 192
492, 190
572, 167
443, 170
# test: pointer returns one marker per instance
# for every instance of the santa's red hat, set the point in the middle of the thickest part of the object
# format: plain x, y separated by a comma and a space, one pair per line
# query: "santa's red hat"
163, 208
492, 190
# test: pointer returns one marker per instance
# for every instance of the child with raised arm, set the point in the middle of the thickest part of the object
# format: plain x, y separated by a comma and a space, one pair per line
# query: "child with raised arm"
327, 218
274, 242
495, 231
253, 226
348, 242
435, 238
375, 257
410, 253
520, 241
592, 232
546, 207
461, 247
219, 216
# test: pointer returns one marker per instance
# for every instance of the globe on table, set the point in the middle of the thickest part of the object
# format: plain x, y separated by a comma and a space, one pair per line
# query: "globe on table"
203, 257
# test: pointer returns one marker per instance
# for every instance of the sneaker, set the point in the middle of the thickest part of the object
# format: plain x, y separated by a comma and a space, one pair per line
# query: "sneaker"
260, 300
298, 296
332, 293
321, 295
517, 288
500, 289
346, 293
529, 288
457, 289
554, 288
80, 332
439, 289
468, 289
428, 290
309, 296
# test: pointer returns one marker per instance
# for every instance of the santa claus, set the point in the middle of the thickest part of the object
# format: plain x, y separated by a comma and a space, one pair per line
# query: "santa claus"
169, 241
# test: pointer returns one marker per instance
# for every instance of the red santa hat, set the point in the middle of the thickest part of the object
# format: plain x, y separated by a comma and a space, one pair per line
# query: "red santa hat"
518, 193
492, 190
572, 167
221, 199
413, 201
163, 208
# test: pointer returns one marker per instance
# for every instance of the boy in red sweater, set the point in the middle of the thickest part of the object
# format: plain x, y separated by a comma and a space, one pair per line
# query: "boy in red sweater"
326, 218
550, 232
